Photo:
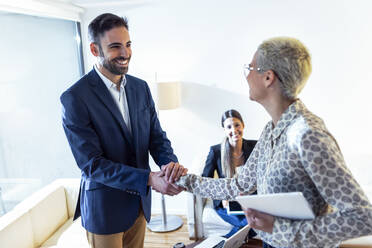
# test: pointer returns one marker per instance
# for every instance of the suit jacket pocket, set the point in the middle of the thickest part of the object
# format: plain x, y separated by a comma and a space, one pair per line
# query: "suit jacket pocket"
144, 115
143, 109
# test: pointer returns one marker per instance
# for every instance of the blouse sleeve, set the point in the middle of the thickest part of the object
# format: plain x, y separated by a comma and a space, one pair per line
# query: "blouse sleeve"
352, 213
224, 188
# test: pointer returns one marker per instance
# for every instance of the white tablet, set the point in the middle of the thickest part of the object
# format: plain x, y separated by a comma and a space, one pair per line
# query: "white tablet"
234, 208
288, 205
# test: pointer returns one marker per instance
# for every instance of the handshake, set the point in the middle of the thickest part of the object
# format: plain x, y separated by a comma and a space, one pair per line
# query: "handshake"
163, 180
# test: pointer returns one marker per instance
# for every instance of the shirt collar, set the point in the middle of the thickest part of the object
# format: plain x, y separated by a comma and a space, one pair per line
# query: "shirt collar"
286, 118
109, 84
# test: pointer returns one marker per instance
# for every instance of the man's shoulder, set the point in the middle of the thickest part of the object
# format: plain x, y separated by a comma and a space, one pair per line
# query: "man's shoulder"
81, 83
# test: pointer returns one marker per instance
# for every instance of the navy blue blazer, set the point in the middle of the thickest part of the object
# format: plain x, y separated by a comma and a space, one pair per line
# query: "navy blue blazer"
213, 162
114, 163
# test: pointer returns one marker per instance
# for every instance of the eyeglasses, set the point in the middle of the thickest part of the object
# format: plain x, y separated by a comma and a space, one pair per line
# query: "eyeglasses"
248, 68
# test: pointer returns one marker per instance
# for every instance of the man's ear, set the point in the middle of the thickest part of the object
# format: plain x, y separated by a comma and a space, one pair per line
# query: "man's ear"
94, 49
269, 78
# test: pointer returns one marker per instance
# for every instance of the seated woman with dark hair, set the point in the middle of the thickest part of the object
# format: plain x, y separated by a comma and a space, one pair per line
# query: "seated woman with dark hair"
226, 158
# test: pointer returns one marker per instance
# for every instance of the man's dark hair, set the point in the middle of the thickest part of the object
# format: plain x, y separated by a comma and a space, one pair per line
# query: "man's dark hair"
103, 23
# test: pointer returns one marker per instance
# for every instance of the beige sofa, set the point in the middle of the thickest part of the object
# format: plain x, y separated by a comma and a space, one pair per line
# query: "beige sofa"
45, 219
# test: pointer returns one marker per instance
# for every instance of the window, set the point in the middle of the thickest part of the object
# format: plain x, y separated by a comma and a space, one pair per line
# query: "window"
40, 58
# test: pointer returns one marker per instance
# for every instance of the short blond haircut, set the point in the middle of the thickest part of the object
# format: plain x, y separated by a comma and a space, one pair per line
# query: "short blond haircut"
289, 59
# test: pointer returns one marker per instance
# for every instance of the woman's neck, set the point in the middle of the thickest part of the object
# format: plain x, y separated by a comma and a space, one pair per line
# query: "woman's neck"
237, 156
236, 147
276, 107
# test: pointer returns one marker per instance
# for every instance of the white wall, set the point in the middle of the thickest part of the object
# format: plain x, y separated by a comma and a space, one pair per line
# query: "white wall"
204, 44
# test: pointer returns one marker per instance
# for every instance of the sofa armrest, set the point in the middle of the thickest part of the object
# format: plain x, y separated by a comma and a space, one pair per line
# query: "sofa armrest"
16, 229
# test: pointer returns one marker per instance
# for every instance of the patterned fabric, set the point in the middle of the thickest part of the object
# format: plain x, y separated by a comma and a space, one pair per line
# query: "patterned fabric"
298, 154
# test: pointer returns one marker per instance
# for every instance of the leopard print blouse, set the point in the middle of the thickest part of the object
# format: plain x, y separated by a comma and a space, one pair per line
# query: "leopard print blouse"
298, 154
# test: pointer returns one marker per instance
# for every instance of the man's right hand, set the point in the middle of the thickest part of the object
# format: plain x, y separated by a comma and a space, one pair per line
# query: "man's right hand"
158, 182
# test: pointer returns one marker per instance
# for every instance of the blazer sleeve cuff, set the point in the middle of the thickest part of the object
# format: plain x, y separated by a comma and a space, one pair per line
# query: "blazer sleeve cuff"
140, 188
144, 189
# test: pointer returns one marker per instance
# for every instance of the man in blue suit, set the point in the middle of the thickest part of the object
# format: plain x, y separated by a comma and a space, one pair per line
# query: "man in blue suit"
111, 125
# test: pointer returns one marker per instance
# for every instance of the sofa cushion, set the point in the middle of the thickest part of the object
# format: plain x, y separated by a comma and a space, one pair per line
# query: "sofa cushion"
72, 186
48, 214
71, 234
16, 230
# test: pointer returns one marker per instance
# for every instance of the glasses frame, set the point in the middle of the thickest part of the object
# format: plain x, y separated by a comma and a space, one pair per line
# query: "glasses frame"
248, 68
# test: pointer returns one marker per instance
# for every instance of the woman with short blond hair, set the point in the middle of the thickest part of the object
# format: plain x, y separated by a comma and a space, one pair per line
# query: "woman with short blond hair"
295, 152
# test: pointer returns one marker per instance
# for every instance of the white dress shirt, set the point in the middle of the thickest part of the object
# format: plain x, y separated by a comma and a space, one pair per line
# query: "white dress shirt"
119, 96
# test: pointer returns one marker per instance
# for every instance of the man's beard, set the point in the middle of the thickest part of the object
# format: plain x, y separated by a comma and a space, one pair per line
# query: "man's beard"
111, 66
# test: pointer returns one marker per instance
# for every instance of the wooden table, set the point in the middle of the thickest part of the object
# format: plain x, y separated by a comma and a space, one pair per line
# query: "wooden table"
253, 243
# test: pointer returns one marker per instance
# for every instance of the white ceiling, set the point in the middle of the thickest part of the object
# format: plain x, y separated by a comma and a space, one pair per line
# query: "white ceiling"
96, 3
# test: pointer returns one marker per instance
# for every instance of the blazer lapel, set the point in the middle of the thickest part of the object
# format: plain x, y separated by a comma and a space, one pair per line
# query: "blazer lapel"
245, 150
132, 105
100, 89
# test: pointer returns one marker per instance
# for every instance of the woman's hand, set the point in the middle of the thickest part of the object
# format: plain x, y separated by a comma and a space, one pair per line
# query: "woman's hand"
225, 203
259, 220
173, 171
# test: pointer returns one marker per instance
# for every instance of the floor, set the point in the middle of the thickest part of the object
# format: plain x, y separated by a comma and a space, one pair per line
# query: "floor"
165, 240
